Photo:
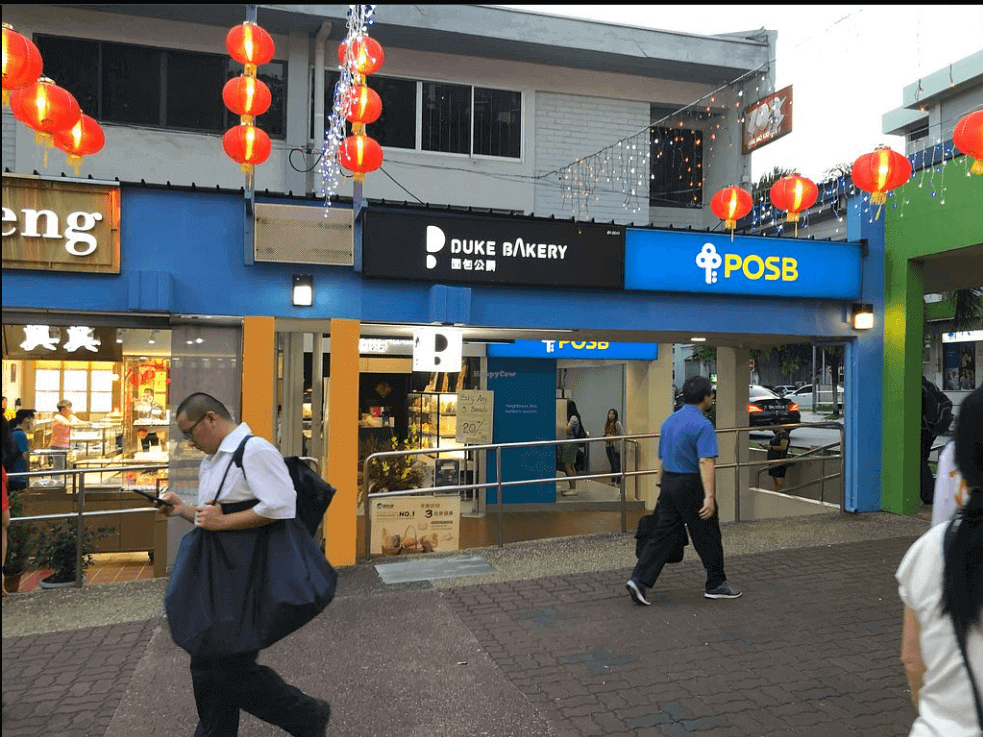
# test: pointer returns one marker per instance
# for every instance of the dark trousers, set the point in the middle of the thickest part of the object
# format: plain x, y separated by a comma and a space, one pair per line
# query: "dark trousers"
680, 502
225, 685
614, 458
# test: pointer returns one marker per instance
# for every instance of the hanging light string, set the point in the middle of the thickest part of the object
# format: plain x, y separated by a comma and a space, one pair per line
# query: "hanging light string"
360, 17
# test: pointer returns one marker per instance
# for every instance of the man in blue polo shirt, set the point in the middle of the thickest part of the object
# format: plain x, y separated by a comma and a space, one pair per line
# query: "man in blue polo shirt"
688, 452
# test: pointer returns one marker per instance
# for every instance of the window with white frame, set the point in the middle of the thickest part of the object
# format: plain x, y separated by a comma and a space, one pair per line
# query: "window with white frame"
451, 118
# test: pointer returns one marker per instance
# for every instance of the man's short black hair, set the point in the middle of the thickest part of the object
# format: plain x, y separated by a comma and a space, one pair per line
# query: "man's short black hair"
22, 414
197, 405
696, 389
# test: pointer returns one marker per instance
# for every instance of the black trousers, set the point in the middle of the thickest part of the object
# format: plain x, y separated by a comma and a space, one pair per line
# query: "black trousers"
680, 502
223, 686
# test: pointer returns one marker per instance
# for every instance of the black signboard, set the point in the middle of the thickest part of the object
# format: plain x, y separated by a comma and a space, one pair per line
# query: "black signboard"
476, 249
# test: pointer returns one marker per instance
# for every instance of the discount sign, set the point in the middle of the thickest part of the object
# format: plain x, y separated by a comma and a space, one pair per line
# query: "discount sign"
474, 416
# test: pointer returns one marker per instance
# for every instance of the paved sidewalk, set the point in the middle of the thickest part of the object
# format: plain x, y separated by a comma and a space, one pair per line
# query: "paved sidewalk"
548, 646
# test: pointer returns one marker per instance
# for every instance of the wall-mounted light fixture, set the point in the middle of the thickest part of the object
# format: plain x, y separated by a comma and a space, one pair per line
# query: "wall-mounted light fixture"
303, 290
863, 316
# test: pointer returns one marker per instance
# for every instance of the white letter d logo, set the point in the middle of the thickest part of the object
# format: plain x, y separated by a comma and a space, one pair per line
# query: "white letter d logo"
435, 242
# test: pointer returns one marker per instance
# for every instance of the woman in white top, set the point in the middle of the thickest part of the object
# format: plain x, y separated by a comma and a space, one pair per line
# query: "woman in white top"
940, 581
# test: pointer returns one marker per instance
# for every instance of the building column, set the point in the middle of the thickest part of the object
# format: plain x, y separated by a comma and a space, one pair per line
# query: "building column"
733, 375
648, 401
341, 528
259, 375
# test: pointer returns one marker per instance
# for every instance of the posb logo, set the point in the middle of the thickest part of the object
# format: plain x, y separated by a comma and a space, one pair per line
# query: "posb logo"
752, 266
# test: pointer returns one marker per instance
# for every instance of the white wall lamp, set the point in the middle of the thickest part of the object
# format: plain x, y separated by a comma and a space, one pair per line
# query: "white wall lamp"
303, 290
863, 316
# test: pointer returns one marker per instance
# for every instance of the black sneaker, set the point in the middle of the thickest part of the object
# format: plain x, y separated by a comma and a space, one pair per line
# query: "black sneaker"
637, 592
723, 591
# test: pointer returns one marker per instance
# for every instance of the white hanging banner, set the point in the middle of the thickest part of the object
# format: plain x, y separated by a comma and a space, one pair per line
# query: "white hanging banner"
437, 349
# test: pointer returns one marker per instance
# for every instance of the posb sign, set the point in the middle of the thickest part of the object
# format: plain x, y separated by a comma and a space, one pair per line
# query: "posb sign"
669, 261
60, 226
751, 267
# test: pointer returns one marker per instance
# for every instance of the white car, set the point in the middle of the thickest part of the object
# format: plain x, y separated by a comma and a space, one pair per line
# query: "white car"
803, 396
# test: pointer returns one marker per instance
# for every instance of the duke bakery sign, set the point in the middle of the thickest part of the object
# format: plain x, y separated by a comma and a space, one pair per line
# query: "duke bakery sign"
490, 250
52, 225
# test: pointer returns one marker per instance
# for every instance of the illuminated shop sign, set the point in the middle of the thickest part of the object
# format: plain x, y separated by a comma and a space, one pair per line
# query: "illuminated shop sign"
593, 349
441, 247
74, 342
60, 226
711, 263
767, 120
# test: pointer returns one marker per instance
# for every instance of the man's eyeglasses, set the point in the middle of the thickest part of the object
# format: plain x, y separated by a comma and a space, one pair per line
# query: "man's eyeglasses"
189, 433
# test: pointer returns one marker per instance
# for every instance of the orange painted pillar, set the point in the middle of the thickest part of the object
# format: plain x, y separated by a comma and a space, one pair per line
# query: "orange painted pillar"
258, 375
341, 532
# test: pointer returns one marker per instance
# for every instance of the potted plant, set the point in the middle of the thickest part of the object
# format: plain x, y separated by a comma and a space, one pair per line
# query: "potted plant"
56, 551
18, 547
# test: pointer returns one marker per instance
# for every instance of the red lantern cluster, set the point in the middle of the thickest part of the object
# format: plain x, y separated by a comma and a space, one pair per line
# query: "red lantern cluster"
730, 205
247, 96
40, 104
968, 138
358, 152
879, 172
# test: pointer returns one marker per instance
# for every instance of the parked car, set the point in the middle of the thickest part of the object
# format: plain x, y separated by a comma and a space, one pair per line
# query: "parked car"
803, 396
783, 390
767, 408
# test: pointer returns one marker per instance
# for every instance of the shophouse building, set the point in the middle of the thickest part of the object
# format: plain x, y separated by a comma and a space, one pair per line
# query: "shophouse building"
545, 190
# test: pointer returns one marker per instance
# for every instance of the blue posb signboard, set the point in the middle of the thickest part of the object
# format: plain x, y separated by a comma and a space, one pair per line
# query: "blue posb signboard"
593, 349
711, 263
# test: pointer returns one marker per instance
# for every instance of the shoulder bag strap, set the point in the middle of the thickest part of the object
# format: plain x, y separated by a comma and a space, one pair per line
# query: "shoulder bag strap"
235, 460
962, 645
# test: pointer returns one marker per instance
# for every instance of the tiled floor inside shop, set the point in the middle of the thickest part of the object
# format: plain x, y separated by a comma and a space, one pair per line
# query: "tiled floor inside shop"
105, 568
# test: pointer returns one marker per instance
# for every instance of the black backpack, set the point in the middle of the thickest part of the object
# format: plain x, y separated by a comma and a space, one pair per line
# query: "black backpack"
314, 494
936, 409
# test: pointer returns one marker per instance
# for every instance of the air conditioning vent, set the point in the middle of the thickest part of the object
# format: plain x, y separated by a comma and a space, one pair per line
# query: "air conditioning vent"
303, 234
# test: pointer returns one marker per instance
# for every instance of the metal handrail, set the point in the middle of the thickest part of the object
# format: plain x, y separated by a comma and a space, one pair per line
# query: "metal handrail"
498, 484
78, 490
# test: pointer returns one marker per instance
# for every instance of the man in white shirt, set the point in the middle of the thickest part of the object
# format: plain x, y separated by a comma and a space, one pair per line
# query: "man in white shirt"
224, 685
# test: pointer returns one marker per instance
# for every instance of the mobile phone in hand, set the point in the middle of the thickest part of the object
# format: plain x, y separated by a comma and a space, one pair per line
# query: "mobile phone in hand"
155, 499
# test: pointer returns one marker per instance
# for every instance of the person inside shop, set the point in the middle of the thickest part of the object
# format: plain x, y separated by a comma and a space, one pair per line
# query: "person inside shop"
148, 407
940, 582
778, 448
61, 426
613, 427
21, 427
568, 451
8, 412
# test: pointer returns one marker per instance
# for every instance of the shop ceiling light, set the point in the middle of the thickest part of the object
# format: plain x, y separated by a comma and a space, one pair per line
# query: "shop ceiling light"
303, 290
863, 316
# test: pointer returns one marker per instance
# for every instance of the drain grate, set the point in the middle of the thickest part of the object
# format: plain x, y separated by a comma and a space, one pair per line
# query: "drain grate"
429, 570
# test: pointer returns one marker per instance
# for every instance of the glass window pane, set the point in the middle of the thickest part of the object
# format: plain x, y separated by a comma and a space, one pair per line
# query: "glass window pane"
446, 124
497, 122
102, 381
274, 74
47, 380
79, 400
45, 401
74, 65
102, 401
677, 168
131, 84
76, 380
194, 91
396, 127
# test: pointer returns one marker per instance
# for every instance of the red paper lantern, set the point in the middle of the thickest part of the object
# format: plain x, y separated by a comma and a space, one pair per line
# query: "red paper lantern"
21, 62
365, 105
879, 172
247, 145
247, 96
794, 194
45, 107
968, 138
368, 54
82, 139
730, 205
360, 154
249, 44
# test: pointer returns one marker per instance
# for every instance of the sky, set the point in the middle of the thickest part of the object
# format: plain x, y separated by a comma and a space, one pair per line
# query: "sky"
847, 64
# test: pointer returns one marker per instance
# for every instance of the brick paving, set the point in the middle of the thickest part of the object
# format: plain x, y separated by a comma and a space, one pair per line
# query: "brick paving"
810, 650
